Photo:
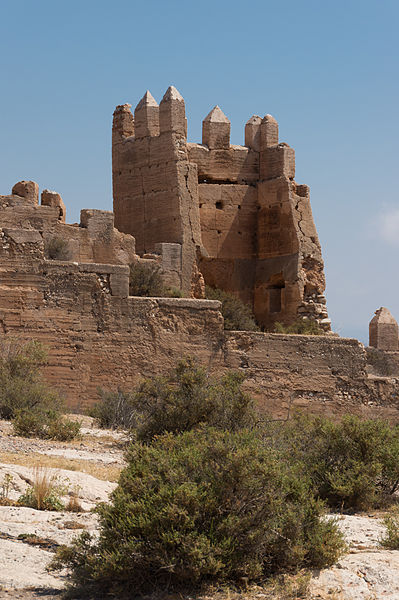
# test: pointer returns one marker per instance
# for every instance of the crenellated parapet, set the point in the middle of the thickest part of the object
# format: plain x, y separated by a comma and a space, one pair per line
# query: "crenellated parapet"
242, 222
155, 186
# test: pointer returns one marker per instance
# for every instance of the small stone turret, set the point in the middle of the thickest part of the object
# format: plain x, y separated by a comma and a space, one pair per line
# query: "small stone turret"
252, 133
123, 123
384, 331
216, 130
146, 117
172, 113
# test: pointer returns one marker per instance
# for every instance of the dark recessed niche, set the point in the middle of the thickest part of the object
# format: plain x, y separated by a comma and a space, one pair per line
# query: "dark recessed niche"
239, 207
240, 232
200, 205
219, 232
219, 205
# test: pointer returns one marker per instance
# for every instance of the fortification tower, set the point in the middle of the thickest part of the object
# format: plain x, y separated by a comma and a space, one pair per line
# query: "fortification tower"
238, 217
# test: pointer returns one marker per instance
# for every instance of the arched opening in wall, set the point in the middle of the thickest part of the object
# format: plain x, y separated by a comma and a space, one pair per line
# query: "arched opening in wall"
276, 285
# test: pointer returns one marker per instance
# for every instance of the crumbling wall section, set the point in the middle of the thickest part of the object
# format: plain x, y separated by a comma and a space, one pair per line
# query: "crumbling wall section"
98, 336
94, 239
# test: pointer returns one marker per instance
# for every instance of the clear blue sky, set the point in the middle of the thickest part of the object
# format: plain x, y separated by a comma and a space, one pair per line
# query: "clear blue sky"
328, 71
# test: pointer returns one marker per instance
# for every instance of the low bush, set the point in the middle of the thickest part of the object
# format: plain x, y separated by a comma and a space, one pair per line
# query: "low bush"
353, 463
114, 410
202, 506
45, 424
56, 248
25, 398
300, 327
237, 315
184, 399
391, 537
21, 384
145, 280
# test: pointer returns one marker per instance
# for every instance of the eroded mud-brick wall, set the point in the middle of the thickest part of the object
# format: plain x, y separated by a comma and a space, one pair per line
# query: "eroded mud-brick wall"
98, 336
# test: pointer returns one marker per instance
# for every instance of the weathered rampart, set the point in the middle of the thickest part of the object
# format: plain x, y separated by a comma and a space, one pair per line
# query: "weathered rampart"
98, 336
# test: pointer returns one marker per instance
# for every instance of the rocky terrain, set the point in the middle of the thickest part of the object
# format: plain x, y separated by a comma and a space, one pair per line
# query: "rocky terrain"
87, 470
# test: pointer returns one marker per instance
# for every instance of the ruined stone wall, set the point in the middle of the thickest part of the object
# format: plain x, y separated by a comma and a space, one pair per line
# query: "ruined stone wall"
93, 240
240, 218
98, 336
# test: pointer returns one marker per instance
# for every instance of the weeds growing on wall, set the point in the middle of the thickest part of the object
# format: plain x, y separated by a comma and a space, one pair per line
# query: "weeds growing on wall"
300, 327
56, 248
379, 361
145, 280
182, 400
237, 315
25, 398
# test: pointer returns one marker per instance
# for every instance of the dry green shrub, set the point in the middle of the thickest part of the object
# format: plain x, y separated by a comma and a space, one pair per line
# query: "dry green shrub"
237, 315
21, 383
300, 327
353, 463
202, 506
115, 410
391, 537
182, 400
25, 398
46, 425
145, 280
56, 248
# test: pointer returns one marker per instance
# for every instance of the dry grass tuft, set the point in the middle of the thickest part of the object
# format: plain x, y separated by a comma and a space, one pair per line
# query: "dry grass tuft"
43, 484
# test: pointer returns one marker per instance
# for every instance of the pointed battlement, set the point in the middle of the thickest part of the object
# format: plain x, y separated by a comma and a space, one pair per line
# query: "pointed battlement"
216, 129
269, 132
172, 113
383, 331
252, 133
146, 117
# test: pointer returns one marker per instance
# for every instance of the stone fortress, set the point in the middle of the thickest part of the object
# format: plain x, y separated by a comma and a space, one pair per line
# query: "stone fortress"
225, 215
235, 214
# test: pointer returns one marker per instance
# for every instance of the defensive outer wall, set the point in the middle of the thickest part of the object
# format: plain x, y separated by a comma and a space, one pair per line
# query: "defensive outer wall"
68, 287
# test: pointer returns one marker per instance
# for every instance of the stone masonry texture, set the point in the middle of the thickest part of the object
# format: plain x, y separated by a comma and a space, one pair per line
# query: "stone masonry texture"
244, 225
230, 215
